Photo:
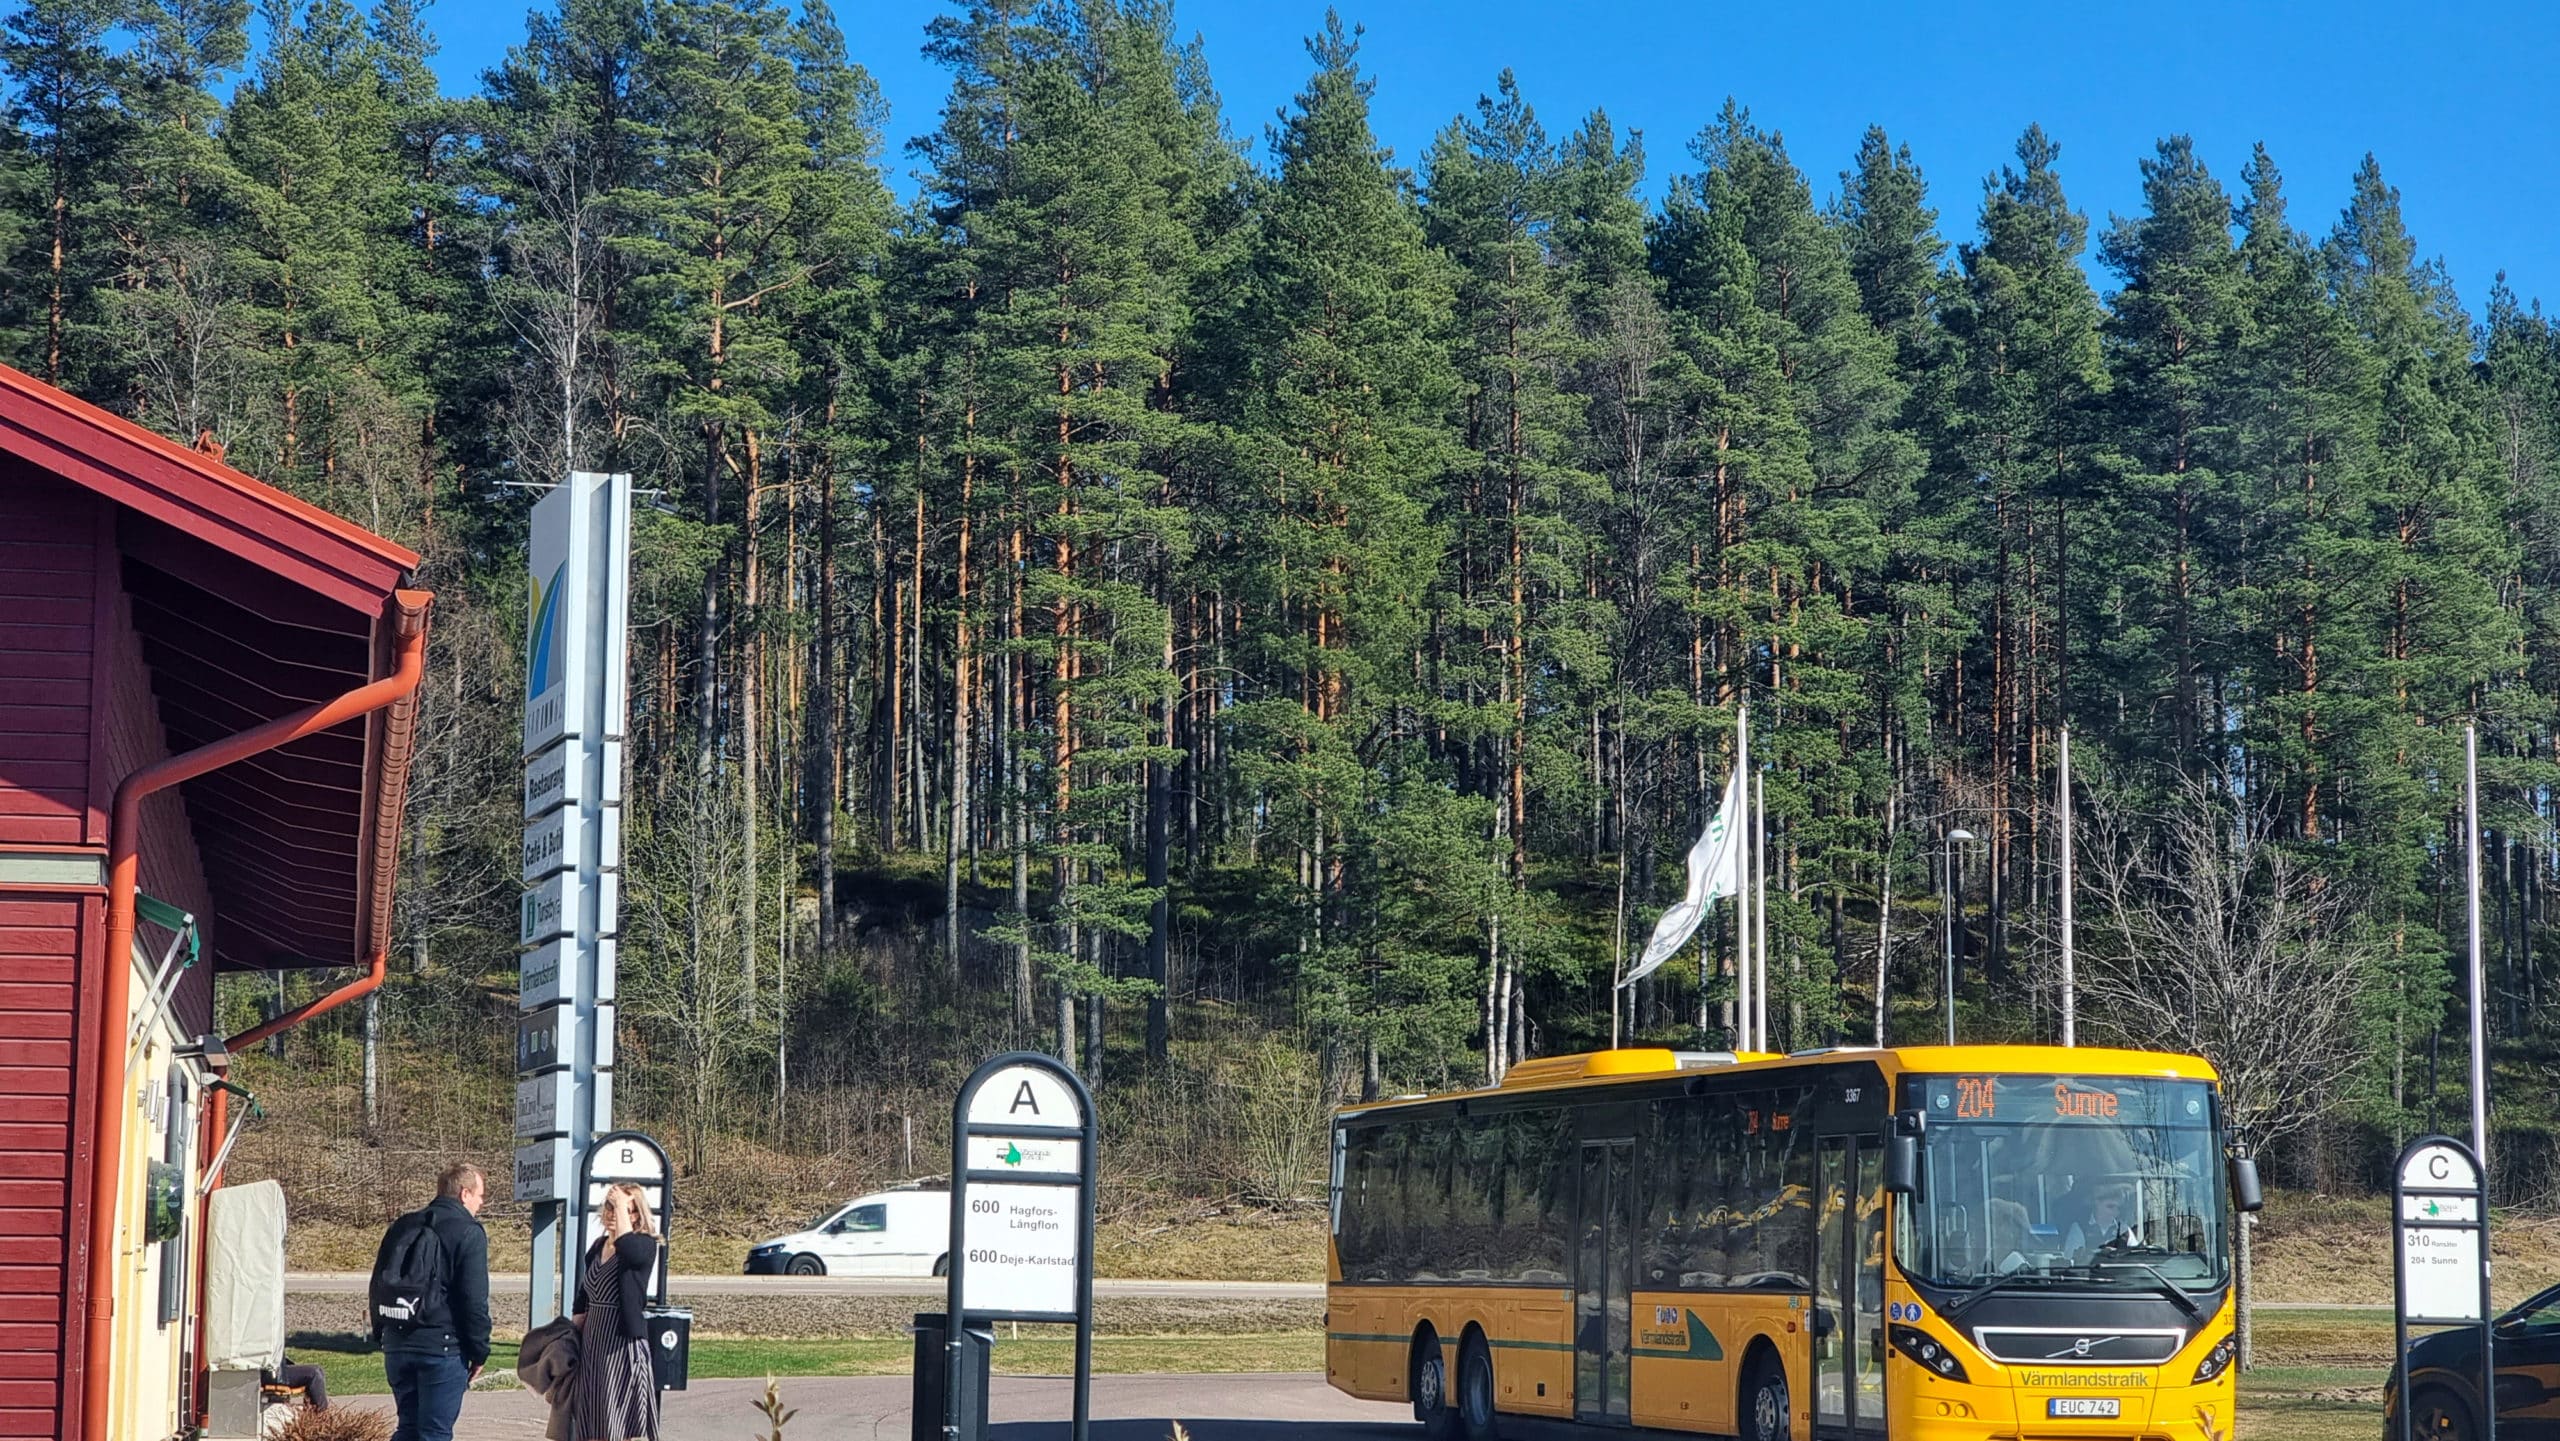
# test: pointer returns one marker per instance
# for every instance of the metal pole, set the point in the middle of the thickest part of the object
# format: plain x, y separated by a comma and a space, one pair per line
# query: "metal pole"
2070, 996
2400, 1294
2479, 995
1742, 890
1954, 950
1760, 906
1947, 936
1084, 1266
956, 1272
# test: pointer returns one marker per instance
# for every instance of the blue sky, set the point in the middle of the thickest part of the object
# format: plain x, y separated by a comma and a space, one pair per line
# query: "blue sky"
2453, 99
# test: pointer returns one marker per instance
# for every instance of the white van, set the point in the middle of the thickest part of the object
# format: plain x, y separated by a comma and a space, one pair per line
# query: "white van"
888, 1233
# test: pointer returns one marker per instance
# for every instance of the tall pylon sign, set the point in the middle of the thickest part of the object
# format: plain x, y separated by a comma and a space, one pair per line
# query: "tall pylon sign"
575, 702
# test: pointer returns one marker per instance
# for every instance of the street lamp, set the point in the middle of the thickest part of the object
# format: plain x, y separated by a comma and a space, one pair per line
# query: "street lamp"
1955, 925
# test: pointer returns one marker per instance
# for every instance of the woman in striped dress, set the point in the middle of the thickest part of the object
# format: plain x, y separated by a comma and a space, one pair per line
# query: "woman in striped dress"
615, 1396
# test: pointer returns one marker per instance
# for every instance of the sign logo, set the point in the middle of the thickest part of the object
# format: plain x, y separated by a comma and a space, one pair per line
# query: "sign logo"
542, 634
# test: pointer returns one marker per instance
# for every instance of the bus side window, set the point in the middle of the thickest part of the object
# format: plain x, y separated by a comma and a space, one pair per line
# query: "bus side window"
1387, 1238
1792, 1255
1673, 1177
1475, 1197
1562, 1158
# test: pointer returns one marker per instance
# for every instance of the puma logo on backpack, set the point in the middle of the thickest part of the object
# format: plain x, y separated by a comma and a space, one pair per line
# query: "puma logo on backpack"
408, 1278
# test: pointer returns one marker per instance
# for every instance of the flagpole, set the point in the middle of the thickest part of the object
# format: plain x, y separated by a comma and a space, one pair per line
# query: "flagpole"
2070, 994
1760, 906
2479, 992
1742, 891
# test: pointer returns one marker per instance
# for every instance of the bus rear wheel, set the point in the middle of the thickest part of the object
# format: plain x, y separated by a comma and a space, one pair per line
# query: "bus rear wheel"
1476, 1416
1431, 1390
1768, 1413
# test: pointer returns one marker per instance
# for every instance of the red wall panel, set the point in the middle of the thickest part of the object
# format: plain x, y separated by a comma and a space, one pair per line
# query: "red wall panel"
41, 937
49, 568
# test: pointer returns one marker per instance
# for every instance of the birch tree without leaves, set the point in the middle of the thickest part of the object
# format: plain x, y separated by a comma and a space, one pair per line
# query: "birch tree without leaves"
2204, 934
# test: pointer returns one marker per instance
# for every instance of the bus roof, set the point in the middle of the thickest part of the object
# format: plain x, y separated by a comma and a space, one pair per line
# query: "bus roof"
1638, 1064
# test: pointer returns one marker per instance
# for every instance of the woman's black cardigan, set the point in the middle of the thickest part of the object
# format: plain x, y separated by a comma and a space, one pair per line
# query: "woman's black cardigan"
637, 1258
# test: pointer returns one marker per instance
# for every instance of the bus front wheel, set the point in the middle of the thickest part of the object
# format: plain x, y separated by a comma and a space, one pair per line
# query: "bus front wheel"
1475, 1390
1767, 1411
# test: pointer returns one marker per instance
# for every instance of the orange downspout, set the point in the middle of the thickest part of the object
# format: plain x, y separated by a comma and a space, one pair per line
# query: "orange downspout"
362, 985
124, 864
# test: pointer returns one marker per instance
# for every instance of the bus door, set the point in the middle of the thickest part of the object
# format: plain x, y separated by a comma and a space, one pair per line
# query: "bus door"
1848, 1290
1603, 1280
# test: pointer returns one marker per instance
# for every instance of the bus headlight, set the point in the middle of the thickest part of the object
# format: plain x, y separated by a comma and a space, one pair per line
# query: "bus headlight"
2217, 1360
1928, 1350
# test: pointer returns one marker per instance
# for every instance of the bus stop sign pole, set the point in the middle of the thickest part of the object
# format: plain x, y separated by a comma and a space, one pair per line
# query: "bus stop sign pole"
635, 1158
1023, 1166
2440, 1262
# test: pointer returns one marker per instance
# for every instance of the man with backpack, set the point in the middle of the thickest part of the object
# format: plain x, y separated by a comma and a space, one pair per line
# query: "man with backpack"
430, 1305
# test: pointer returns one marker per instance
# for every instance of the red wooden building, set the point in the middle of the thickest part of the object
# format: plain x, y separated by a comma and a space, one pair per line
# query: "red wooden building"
205, 693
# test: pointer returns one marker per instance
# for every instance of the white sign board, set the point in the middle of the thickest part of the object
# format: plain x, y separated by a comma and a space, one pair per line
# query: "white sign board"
1020, 1153
542, 1105
2442, 1224
2439, 1210
2440, 1273
551, 843
545, 913
626, 1161
2438, 1168
551, 781
540, 978
1025, 1096
542, 1169
1020, 1248
556, 841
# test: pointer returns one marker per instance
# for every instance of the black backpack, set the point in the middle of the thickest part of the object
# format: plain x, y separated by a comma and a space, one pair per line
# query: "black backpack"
408, 1277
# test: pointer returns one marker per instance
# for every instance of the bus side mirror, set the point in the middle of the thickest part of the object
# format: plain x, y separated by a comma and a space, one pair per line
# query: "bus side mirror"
1902, 1153
2245, 1191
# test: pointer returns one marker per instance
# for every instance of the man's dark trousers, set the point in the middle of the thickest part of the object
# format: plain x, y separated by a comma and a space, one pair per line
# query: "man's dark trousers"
427, 1389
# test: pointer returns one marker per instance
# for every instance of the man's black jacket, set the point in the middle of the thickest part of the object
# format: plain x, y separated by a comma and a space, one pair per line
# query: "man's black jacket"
464, 1328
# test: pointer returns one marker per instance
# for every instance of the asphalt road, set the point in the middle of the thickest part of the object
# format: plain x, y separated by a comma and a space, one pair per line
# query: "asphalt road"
1287, 1407
352, 1283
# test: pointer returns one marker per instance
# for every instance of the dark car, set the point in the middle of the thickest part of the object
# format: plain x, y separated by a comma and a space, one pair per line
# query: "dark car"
2444, 1376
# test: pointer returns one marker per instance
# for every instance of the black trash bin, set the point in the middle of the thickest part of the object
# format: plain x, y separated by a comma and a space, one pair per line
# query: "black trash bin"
671, 1346
933, 1336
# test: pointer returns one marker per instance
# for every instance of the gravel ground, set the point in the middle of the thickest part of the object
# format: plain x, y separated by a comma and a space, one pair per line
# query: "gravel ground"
787, 1317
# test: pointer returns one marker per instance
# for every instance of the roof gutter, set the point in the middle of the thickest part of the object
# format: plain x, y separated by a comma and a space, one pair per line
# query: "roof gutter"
124, 852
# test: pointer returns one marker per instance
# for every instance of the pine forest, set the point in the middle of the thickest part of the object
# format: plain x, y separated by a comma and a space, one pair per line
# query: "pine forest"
1265, 618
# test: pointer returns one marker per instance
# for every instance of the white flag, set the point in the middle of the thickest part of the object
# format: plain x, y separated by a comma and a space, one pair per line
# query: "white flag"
1715, 871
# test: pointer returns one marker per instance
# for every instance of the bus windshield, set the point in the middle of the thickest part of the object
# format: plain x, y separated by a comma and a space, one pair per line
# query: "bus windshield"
2073, 1182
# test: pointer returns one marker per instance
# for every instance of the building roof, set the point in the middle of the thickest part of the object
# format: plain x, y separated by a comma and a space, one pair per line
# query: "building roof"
249, 605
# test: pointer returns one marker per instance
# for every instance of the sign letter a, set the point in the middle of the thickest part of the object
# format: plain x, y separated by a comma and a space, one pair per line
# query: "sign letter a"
1024, 1100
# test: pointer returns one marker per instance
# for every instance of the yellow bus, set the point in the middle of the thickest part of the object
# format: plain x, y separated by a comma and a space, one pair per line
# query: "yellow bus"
1943, 1243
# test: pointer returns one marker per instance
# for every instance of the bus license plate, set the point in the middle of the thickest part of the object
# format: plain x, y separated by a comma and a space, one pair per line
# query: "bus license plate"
2083, 1406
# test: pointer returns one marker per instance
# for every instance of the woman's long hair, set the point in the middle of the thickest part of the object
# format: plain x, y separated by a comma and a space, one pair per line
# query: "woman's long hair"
641, 1220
